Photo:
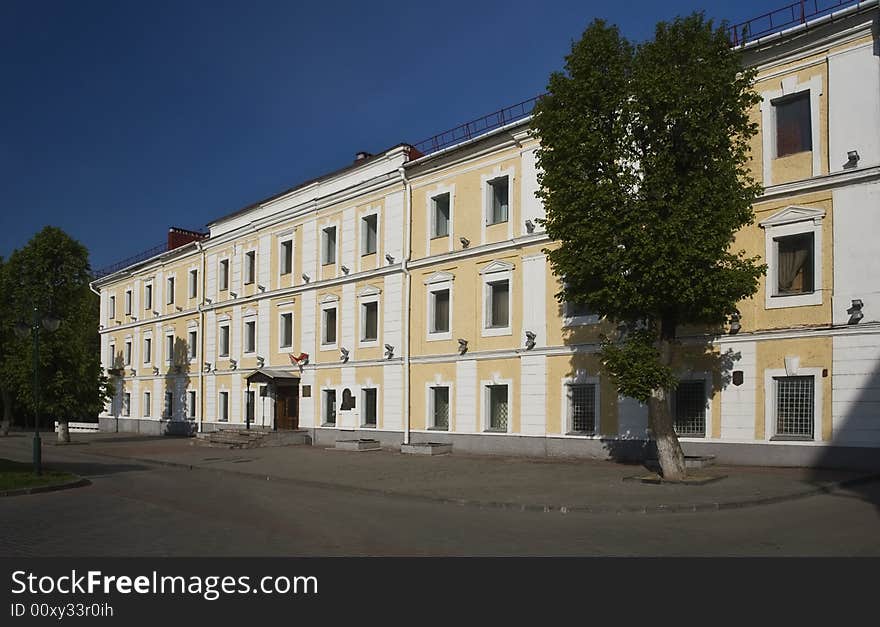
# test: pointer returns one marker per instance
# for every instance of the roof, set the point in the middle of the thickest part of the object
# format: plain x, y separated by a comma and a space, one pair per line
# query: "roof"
272, 375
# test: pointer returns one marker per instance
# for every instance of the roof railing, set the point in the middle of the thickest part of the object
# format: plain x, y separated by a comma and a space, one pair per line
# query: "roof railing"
142, 256
779, 19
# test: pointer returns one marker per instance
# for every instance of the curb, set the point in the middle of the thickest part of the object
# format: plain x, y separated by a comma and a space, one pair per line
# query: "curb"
708, 506
76, 483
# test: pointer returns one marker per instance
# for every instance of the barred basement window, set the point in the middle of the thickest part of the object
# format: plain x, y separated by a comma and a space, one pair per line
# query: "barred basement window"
582, 408
440, 407
689, 408
794, 407
498, 407
370, 400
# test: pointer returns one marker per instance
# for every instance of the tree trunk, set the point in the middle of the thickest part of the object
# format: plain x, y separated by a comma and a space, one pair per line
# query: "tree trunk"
7, 413
63, 431
669, 452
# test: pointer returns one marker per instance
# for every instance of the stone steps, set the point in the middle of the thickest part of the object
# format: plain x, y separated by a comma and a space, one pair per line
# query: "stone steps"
253, 438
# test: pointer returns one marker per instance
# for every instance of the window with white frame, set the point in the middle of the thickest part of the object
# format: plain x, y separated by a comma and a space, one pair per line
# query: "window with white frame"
286, 262
223, 341
250, 335
370, 407
169, 290
127, 353
328, 245
689, 408
223, 409
193, 344
168, 410
112, 308
793, 238
582, 402
126, 404
328, 325
329, 408
794, 131
497, 407
795, 407
112, 360
223, 278
148, 350
250, 400
193, 283
148, 296
127, 302
169, 348
440, 215
438, 408
498, 200
191, 403
497, 279
286, 330
439, 310
148, 404
250, 267
369, 234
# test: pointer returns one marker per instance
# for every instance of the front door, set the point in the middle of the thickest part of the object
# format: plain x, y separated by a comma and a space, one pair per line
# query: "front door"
287, 407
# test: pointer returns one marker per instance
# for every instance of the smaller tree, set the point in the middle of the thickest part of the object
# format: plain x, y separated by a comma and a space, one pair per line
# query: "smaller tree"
645, 180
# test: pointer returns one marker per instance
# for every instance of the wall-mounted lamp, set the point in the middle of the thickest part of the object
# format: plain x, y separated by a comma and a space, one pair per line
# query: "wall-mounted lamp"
530, 340
852, 159
735, 325
100, 327
233, 364
530, 226
389, 258
306, 277
155, 371
233, 294
345, 269
465, 242
855, 311
155, 313
133, 372
262, 288
209, 301
207, 367
178, 308
389, 351
343, 353
462, 346
261, 361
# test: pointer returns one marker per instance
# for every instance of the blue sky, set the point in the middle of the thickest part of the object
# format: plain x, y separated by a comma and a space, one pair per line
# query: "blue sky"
181, 112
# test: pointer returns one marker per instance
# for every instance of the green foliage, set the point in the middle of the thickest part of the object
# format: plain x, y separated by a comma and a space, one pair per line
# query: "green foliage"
645, 181
51, 274
634, 365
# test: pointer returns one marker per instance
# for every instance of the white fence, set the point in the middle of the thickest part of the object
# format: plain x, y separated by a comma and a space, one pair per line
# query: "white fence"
80, 427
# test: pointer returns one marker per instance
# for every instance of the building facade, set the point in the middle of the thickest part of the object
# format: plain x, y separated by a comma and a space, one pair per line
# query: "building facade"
407, 297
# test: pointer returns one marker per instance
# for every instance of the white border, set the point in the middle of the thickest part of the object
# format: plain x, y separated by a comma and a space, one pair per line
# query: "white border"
792, 221
770, 403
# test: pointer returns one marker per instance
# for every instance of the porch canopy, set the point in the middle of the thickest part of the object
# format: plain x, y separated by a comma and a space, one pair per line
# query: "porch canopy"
272, 375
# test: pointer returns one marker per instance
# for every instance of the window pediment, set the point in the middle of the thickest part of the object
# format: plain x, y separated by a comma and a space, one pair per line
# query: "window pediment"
329, 298
439, 277
369, 290
793, 214
497, 266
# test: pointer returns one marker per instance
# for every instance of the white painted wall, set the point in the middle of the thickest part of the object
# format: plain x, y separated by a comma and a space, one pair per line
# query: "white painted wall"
532, 207
392, 397
466, 395
854, 106
534, 307
632, 418
855, 389
738, 401
533, 394
394, 226
392, 312
856, 262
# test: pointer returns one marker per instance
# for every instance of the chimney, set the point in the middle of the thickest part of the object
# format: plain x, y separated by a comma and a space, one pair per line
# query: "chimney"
361, 156
178, 237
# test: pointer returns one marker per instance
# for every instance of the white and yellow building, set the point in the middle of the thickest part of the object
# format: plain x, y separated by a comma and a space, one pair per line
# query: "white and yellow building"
407, 297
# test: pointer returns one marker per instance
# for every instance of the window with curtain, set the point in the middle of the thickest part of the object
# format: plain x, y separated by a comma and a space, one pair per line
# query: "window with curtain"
793, 126
794, 265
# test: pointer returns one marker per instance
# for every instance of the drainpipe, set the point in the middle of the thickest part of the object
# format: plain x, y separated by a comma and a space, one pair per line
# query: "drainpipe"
408, 298
202, 284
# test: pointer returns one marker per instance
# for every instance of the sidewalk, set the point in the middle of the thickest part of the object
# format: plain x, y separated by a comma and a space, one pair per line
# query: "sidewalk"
566, 485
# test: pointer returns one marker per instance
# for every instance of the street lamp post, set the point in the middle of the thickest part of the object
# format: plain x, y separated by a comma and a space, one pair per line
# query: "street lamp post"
50, 323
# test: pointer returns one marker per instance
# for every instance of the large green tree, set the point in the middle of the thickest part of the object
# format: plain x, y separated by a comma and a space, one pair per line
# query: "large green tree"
51, 275
644, 176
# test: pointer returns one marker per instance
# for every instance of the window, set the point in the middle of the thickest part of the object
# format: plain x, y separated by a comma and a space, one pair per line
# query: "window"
498, 306
193, 283
193, 344
439, 311
370, 321
148, 350
191, 397
498, 197
328, 239
169, 348
581, 408
498, 407
250, 400
224, 275
112, 307
169, 405
250, 267
440, 215
793, 125
224, 341
329, 407
286, 265
689, 408
794, 264
439, 408
127, 302
369, 230
223, 410
112, 361
329, 323
370, 405
576, 310
147, 404
794, 407
126, 404
128, 352
148, 296
250, 335
286, 330
169, 286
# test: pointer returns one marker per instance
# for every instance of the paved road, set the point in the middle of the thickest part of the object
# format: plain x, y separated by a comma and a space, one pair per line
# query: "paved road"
140, 509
